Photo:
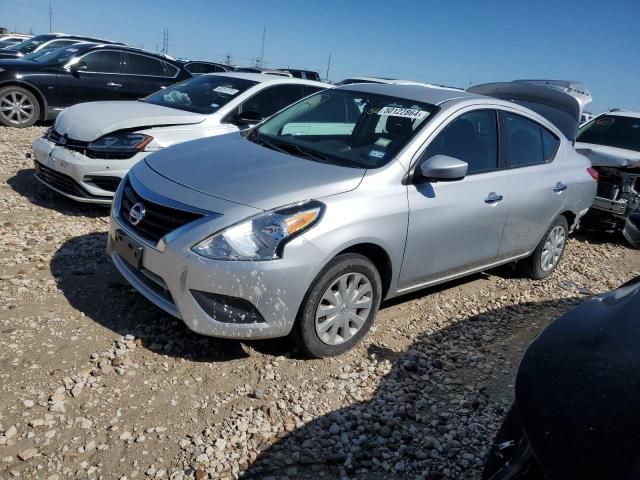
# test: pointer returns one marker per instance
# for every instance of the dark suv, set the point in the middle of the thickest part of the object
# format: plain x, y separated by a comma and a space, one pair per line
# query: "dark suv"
39, 85
46, 43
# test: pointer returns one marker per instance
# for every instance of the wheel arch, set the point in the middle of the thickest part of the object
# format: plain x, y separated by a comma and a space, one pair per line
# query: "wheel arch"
34, 90
380, 259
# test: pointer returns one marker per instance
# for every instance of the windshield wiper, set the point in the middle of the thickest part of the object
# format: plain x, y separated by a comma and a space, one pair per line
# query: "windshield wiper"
256, 138
306, 152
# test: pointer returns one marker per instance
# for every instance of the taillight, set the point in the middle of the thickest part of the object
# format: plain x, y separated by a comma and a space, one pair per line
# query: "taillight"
594, 173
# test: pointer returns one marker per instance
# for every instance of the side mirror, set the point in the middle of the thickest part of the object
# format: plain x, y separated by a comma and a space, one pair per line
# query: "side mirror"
249, 117
444, 168
77, 67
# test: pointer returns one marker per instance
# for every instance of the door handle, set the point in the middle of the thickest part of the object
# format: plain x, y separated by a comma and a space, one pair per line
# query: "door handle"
560, 187
493, 198
111, 84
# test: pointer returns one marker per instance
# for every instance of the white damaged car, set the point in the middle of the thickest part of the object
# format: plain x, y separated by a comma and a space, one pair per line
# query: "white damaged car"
92, 146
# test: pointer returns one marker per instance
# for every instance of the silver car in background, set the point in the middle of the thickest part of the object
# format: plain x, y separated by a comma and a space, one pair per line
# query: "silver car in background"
303, 224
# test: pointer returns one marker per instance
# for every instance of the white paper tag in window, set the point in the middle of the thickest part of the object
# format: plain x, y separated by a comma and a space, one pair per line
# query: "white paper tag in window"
226, 90
402, 112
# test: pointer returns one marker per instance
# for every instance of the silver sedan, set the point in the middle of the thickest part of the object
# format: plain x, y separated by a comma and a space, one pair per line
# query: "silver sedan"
303, 224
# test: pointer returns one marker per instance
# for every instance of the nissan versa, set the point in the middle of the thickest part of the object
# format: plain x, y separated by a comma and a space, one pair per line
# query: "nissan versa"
304, 223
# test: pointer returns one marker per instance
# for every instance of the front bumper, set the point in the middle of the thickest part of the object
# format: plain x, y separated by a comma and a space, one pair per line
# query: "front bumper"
77, 176
175, 279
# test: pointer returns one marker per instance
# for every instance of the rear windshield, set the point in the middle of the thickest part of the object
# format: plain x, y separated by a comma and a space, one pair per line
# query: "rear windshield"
612, 131
204, 94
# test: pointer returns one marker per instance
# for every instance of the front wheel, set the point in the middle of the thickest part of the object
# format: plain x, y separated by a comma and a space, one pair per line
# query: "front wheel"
549, 251
18, 107
339, 307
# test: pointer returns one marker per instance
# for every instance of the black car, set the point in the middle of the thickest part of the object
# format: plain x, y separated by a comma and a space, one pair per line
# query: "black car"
39, 85
46, 43
197, 67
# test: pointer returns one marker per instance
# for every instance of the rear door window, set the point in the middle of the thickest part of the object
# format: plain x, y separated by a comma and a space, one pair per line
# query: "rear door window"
529, 143
144, 65
103, 61
472, 138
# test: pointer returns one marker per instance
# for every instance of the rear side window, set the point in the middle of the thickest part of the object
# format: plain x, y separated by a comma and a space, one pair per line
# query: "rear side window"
170, 70
549, 144
472, 138
143, 65
197, 68
105, 61
273, 99
529, 142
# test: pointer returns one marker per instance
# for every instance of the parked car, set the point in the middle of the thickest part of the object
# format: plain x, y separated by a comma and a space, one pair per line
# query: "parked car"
39, 86
575, 410
91, 146
612, 142
305, 74
390, 81
197, 67
273, 231
11, 39
265, 71
586, 117
46, 43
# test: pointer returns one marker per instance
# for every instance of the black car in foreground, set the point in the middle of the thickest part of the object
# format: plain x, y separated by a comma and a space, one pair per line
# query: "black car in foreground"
39, 85
46, 43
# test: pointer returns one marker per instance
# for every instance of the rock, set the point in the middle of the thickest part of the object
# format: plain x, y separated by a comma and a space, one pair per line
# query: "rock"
11, 431
27, 454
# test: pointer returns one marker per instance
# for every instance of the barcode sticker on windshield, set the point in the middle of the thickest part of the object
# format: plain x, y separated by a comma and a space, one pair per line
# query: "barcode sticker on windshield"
402, 112
226, 90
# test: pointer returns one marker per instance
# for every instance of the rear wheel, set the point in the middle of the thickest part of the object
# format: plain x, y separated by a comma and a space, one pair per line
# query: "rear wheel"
549, 251
18, 107
339, 307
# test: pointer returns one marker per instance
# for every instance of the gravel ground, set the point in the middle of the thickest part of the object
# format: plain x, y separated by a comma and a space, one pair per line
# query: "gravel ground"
95, 382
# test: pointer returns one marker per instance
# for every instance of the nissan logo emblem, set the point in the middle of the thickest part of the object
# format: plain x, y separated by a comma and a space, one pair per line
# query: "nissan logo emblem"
137, 213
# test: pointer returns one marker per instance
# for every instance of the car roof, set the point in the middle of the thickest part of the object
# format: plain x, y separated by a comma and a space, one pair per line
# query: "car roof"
428, 94
263, 78
622, 113
128, 48
51, 36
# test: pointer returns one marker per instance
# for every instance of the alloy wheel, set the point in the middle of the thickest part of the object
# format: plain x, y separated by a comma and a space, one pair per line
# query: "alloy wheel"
16, 108
553, 248
344, 308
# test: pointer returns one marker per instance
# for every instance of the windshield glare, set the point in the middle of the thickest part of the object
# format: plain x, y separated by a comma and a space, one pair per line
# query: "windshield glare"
353, 129
204, 94
57, 56
27, 46
612, 131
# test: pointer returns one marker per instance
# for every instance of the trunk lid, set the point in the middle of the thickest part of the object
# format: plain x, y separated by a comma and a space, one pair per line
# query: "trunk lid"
233, 168
89, 121
604, 156
559, 101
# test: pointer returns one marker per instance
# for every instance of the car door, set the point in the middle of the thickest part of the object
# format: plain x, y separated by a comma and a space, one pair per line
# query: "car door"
96, 79
537, 183
457, 226
144, 74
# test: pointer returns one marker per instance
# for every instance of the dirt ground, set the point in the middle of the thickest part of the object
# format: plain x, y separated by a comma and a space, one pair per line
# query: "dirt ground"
96, 382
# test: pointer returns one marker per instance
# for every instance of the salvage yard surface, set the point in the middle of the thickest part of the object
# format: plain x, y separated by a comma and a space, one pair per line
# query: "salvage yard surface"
96, 382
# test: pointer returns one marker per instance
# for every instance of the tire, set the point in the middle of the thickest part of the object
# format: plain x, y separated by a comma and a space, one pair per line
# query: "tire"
535, 266
19, 107
342, 274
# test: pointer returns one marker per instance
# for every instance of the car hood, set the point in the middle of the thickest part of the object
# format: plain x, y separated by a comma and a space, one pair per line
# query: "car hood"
235, 169
603, 156
88, 121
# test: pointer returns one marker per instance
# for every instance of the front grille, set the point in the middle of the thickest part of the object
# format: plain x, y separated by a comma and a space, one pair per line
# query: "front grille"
158, 219
62, 182
151, 281
83, 147
110, 184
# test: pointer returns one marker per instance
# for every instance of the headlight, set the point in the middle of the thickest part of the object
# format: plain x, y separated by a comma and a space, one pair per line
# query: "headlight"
262, 237
121, 143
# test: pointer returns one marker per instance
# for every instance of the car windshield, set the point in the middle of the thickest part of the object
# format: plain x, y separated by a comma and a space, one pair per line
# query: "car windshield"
343, 127
52, 57
27, 46
612, 131
204, 94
